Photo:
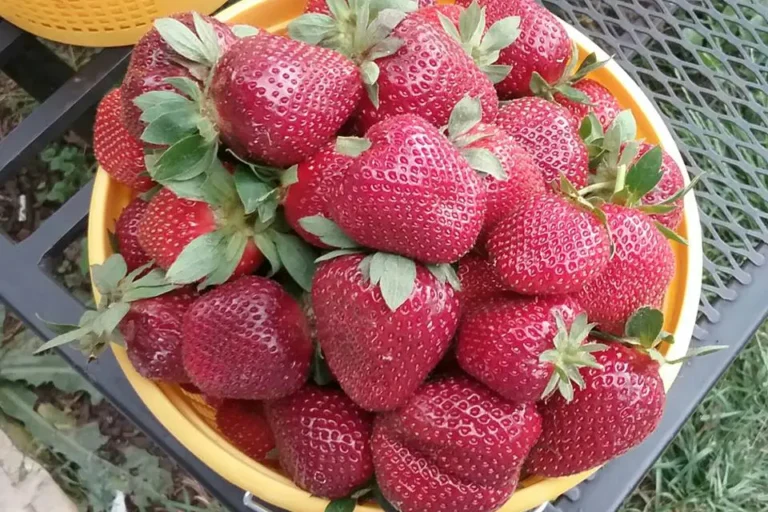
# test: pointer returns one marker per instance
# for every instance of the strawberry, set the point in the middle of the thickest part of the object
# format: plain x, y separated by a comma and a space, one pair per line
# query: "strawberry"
598, 100
152, 333
153, 60
426, 461
543, 45
620, 405
417, 63
549, 132
382, 333
669, 185
171, 223
549, 245
637, 275
524, 348
318, 178
127, 234
314, 92
323, 441
321, 6
245, 425
410, 192
262, 347
479, 280
117, 151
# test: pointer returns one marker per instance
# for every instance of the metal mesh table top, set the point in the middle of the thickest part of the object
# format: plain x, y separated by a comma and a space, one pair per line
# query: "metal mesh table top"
703, 63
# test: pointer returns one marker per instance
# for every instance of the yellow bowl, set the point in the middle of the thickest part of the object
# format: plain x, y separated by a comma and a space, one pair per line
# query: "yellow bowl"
95, 22
190, 420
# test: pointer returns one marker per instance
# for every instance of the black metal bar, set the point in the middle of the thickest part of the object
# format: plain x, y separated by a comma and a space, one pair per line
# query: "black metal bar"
11, 40
740, 319
62, 108
37, 70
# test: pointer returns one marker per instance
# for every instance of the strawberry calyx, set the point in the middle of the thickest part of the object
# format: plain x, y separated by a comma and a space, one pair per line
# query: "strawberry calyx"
483, 46
644, 331
358, 29
463, 130
570, 353
118, 289
571, 75
395, 275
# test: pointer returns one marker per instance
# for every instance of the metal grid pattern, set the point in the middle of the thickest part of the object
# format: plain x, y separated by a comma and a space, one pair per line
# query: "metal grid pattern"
703, 62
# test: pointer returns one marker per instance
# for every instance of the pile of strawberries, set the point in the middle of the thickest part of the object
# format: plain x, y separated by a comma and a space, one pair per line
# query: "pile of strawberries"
380, 274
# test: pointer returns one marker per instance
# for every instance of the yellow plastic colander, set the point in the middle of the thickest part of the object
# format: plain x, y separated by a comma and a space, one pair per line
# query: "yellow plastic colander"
95, 22
191, 421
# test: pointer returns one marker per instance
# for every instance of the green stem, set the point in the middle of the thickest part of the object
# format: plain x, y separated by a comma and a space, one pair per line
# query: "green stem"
606, 185
621, 176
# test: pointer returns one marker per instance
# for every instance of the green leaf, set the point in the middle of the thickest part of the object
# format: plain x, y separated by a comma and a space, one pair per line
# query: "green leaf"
444, 272
187, 86
327, 231
588, 65
170, 127
644, 175
182, 40
472, 23
152, 99
266, 244
107, 275
267, 209
341, 505
497, 72
176, 105
382, 26
252, 191
352, 146
626, 125
290, 176
680, 193
338, 8
108, 320
369, 71
646, 325
483, 160
243, 31
697, 352
385, 48
186, 159
396, 277
207, 36
336, 254
449, 27
539, 86
574, 94
372, 90
669, 234
147, 292
232, 255
629, 152
501, 34
590, 129
312, 28
297, 257
198, 259
465, 115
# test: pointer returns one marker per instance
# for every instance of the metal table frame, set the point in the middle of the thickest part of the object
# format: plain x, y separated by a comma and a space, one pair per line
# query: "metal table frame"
67, 100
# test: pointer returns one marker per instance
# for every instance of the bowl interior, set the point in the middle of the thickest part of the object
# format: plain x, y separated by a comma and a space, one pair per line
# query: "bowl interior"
190, 419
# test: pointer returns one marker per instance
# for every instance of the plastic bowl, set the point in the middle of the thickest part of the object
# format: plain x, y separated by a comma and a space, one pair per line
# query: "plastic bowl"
190, 420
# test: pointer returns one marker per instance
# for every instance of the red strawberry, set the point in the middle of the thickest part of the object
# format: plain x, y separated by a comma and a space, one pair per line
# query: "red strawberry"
604, 104
152, 333
244, 425
247, 339
501, 342
479, 280
543, 45
279, 101
671, 182
548, 131
548, 246
455, 446
172, 222
411, 193
319, 177
152, 61
117, 151
637, 275
323, 440
427, 76
127, 234
321, 6
378, 355
619, 407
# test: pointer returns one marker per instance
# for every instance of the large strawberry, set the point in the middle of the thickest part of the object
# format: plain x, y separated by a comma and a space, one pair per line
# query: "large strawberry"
549, 245
479, 280
525, 348
127, 234
318, 177
543, 45
455, 446
410, 192
414, 63
323, 441
247, 339
637, 275
116, 149
620, 405
153, 60
245, 425
383, 323
550, 134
